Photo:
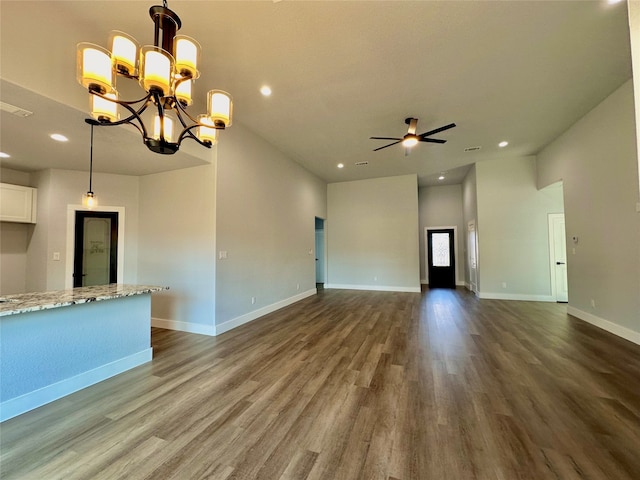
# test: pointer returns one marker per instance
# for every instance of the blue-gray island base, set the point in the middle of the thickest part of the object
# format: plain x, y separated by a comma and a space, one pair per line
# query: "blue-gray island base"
55, 343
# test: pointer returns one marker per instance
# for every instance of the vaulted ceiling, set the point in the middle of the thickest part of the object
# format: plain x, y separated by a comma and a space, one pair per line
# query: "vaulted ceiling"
340, 71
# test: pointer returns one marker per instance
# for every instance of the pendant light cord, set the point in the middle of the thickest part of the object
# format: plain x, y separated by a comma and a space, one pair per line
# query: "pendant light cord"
91, 161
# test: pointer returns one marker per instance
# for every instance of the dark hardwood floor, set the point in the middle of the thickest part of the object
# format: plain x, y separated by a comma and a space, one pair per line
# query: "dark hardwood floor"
355, 385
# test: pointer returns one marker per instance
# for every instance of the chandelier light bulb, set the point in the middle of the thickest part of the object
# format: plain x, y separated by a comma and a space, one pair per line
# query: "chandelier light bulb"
124, 52
156, 69
187, 53
168, 128
220, 108
183, 92
206, 130
94, 67
102, 109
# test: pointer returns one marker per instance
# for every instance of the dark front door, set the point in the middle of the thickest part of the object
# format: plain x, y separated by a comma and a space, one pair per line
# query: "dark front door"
441, 258
95, 258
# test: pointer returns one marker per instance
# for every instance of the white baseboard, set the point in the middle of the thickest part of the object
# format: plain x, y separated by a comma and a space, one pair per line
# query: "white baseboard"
377, 288
248, 317
607, 325
29, 401
189, 327
516, 296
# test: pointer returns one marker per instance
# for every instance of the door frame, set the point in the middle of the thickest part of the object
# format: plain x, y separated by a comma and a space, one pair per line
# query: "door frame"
552, 257
455, 250
473, 286
71, 220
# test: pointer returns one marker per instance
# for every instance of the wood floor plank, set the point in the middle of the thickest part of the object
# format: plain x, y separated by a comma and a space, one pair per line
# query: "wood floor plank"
355, 385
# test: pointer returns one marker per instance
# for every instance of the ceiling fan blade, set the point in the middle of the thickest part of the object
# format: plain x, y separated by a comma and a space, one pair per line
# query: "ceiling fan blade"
437, 130
432, 140
384, 138
380, 148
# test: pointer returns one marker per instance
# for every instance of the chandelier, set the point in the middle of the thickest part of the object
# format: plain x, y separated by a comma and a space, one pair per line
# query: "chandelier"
166, 71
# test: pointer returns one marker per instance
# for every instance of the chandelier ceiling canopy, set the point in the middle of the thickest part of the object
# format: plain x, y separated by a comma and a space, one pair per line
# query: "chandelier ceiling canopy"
166, 71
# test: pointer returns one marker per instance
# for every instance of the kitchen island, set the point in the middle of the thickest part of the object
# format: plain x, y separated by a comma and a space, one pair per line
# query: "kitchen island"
55, 343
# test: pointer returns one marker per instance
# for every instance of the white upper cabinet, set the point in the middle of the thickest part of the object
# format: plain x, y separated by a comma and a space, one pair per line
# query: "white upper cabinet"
17, 203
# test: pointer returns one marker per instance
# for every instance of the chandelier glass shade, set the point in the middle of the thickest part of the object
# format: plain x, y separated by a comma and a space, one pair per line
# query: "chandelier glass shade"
166, 71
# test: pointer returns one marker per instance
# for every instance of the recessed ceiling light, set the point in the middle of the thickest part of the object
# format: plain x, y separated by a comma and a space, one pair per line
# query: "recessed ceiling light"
4, 155
441, 177
341, 165
611, 2
265, 90
503, 144
59, 137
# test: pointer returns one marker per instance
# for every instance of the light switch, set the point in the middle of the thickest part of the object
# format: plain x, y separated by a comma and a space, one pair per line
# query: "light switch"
56, 256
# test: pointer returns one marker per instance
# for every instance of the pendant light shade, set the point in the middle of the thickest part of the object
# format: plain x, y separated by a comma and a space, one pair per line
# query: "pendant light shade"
183, 92
104, 110
220, 108
187, 52
156, 69
94, 67
124, 52
207, 131
163, 130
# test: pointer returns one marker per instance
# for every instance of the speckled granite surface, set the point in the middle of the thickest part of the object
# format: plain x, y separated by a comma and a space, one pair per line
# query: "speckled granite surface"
32, 302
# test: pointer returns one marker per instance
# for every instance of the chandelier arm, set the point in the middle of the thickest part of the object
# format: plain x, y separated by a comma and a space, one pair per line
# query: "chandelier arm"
188, 133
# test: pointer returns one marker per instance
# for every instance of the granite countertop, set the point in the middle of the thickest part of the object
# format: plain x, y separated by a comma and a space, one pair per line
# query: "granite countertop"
32, 302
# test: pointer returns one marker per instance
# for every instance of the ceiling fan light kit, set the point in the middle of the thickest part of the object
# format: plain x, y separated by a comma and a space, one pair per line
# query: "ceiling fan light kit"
411, 139
166, 70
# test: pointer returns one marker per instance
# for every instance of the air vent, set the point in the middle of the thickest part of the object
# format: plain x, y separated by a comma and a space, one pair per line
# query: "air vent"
472, 149
13, 110
361, 164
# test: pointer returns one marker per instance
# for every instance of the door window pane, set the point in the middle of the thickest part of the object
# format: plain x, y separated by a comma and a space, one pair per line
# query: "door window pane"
440, 250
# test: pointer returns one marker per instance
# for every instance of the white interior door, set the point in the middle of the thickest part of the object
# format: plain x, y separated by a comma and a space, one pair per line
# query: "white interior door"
558, 247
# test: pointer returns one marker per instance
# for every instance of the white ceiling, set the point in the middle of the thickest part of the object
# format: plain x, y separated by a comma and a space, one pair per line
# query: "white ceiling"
340, 72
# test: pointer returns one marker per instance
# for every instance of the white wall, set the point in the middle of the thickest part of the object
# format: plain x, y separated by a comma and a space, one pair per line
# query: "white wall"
56, 190
265, 221
372, 234
441, 206
177, 246
514, 239
634, 35
597, 161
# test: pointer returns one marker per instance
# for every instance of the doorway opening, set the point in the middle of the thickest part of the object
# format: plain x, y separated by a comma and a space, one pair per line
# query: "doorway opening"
95, 257
320, 253
117, 242
441, 256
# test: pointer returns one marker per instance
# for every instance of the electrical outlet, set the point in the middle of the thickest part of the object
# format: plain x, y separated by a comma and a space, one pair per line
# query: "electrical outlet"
504, 284
253, 300
593, 303
375, 279
297, 286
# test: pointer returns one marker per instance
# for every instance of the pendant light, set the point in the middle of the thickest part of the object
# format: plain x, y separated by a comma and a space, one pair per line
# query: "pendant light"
89, 199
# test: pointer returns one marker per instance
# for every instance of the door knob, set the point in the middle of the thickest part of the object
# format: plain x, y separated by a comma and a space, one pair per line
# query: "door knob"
560, 263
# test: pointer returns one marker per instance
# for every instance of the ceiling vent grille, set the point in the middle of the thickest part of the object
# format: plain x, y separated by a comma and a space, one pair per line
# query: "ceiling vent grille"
13, 110
361, 164
472, 149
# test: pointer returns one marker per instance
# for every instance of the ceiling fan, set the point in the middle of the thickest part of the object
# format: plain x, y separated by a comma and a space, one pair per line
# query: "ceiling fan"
411, 139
